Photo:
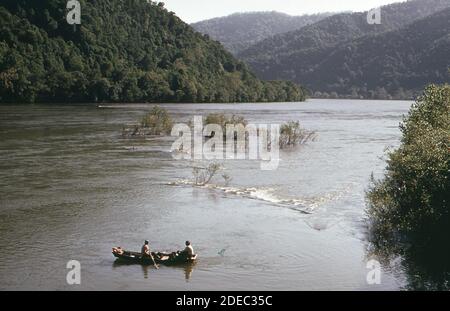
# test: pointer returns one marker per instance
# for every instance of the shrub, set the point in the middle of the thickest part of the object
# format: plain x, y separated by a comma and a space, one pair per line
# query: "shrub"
291, 134
412, 200
204, 175
157, 122
222, 119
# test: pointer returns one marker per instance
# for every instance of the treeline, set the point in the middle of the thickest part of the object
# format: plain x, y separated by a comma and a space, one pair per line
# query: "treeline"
379, 93
123, 51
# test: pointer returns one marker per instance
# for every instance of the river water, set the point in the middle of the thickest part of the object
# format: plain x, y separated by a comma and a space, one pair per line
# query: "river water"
71, 188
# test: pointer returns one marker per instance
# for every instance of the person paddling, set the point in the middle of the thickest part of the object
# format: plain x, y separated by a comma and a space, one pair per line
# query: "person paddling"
189, 250
146, 253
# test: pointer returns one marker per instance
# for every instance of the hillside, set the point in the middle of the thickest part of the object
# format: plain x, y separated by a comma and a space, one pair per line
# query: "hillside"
239, 31
123, 51
315, 54
397, 63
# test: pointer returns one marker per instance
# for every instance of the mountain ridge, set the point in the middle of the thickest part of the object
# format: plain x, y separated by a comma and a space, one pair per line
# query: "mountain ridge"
239, 31
297, 55
413, 67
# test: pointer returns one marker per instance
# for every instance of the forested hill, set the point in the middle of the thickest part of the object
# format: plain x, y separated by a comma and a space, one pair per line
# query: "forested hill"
311, 54
394, 64
124, 50
239, 31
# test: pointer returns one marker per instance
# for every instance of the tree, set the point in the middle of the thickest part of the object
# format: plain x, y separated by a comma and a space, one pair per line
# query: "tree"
412, 200
408, 209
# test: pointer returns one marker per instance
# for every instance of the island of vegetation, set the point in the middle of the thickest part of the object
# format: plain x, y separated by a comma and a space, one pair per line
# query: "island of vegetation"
158, 122
123, 51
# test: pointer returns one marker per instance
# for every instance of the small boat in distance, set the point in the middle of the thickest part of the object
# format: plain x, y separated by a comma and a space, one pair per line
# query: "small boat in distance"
175, 258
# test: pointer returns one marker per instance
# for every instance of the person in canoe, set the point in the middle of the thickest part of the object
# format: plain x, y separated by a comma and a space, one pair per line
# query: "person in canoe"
188, 251
146, 253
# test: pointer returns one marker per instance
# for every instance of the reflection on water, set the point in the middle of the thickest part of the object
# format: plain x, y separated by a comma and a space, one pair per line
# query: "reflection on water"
147, 270
423, 267
71, 188
188, 269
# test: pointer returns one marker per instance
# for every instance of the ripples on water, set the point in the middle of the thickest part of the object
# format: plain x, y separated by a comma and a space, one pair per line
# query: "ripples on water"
71, 188
305, 205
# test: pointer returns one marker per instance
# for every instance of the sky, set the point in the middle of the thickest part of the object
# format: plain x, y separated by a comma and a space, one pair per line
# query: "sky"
196, 10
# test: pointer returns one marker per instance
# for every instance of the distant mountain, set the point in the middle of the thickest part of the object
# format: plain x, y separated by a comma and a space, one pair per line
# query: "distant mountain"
343, 54
395, 63
239, 31
123, 51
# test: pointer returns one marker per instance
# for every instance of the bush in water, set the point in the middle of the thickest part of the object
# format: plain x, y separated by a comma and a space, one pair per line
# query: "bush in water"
157, 121
291, 134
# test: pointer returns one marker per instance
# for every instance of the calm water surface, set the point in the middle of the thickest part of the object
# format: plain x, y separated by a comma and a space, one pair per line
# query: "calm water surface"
72, 188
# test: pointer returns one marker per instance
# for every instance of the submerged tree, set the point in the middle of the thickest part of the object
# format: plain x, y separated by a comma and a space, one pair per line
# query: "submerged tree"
157, 121
223, 120
292, 134
204, 175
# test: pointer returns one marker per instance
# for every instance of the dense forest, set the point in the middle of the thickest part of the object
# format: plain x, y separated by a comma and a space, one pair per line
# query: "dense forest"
123, 51
344, 55
239, 31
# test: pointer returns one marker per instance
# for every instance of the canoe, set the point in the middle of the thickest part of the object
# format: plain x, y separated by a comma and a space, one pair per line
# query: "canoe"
176, 258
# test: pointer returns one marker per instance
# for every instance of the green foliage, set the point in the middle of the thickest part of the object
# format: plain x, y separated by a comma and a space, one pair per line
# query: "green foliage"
412, 201
409, 208
157, 121
344, 56
124, 51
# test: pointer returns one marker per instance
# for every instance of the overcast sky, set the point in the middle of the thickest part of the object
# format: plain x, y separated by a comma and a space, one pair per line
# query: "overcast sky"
196, 10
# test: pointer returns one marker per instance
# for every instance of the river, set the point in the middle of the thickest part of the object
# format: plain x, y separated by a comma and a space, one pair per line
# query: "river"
71, 188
